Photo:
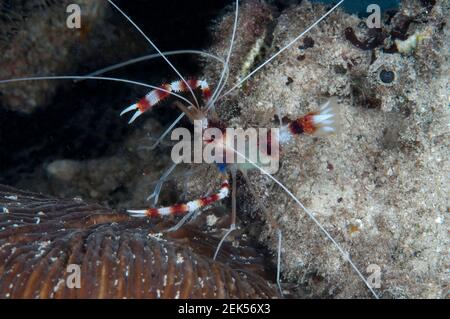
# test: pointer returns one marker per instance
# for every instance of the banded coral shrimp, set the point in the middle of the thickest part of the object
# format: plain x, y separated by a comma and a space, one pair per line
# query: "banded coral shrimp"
310, 123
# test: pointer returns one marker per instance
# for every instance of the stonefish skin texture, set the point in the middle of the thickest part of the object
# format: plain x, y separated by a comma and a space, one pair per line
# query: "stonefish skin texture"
379, 185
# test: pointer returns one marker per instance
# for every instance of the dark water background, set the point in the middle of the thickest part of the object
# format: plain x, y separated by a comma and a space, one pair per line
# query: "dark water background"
61, 130
360, 6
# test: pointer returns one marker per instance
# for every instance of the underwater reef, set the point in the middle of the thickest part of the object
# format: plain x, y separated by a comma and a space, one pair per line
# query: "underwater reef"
379, 186
118, 256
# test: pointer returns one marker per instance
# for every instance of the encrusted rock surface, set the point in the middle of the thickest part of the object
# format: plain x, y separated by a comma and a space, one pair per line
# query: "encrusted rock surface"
379, 186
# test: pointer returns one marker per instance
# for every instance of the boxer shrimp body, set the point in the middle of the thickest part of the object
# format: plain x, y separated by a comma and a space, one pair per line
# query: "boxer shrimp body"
323, 121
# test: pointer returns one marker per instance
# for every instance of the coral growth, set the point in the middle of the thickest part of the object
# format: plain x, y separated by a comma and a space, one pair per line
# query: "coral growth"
42, 237
378, 187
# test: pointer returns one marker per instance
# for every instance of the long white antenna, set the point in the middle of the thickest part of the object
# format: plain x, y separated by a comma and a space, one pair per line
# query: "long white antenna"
86, 77
279, 262
310, 215
219, 86
152, 56
281, 50
155, 47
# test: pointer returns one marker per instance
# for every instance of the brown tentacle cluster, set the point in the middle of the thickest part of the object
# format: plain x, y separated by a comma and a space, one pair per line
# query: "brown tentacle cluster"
118, 257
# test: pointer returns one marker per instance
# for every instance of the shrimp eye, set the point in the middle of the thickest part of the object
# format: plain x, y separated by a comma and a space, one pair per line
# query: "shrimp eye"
387, 76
